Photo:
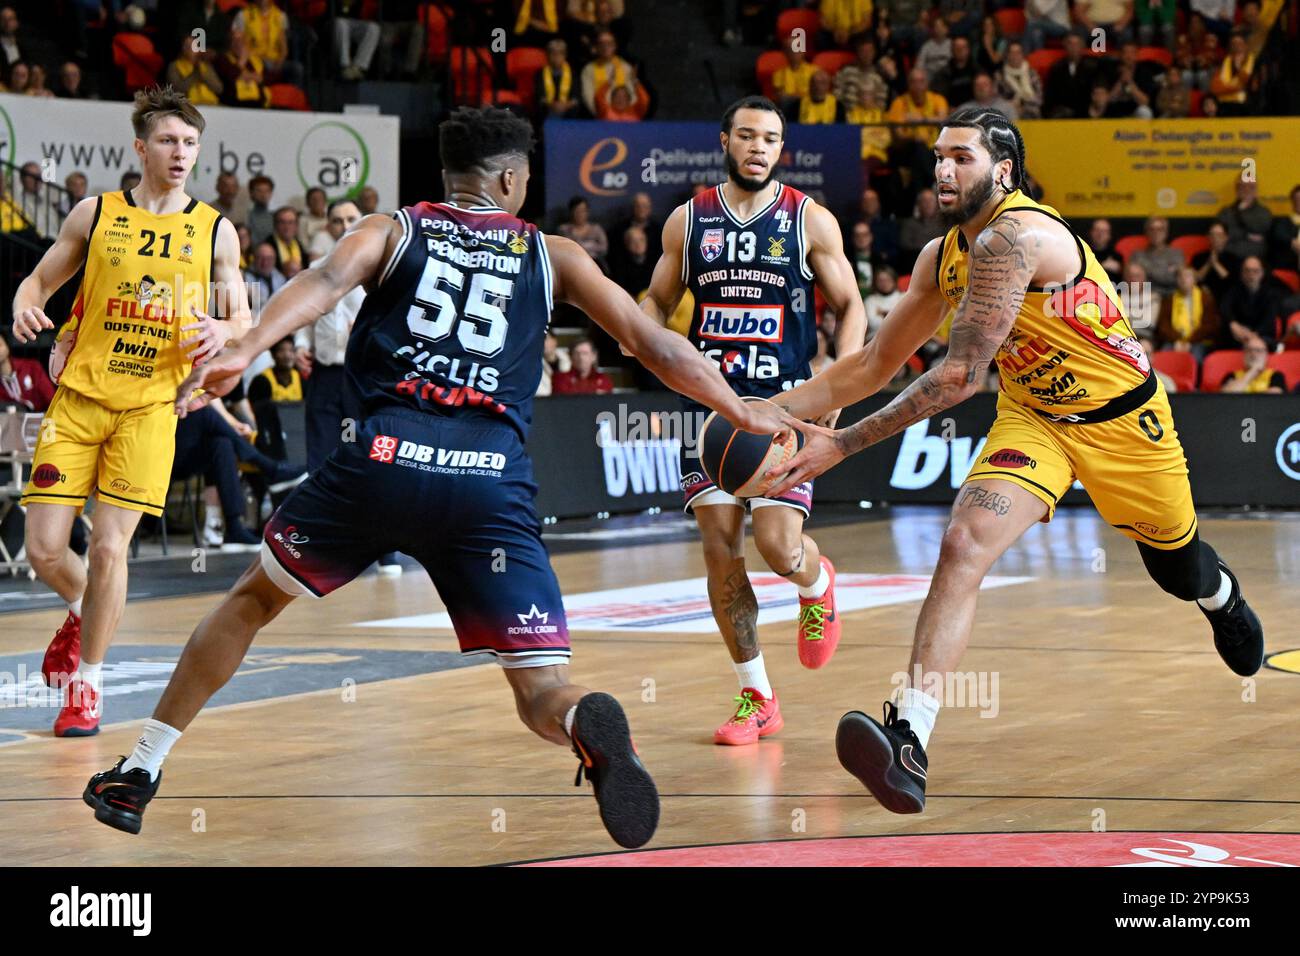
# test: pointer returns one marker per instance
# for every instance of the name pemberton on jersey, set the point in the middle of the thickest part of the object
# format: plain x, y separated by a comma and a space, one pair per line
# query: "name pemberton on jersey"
497, 249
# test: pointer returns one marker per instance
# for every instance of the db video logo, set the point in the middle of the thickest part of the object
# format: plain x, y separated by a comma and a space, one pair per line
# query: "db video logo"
383, 448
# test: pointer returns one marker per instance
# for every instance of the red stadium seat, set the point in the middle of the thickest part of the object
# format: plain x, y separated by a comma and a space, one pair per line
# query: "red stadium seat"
1288, 363
1218, 366
1042, 60
915, 364
1180, 366
286, 96
1012, 21
522, 66
769, 61
1190, 246
1155, 54
471, 73
1194, 102
502, 98
832, 61
904, 282
1291, 331
1129, 245
436, 43
140, 63
1290, 277
227, 5
809, 21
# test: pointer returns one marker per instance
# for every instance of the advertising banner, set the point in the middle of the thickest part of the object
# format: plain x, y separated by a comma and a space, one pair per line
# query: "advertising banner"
339, 152
619, 453
607, 163
1169, 167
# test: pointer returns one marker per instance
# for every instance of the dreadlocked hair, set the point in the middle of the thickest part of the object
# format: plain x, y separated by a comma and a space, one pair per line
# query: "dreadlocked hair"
471, 138
998, 135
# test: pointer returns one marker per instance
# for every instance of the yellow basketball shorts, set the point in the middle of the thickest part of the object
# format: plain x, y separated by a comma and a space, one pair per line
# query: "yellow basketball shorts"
1132, 467
124, 458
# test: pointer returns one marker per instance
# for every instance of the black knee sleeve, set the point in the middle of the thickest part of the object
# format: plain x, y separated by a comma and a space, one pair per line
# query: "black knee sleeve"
1188, 573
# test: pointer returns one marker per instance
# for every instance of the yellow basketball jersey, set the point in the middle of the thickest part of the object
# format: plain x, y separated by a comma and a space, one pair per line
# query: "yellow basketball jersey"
284, 393
143, 273
1071, 349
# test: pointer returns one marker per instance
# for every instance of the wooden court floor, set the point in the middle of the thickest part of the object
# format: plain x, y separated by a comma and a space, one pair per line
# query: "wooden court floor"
1110, 697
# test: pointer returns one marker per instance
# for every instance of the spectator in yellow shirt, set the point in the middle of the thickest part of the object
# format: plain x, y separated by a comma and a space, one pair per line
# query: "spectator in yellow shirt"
843, 19
867, 113
192, 75
819, 106
791, 82
917, 104
266, 27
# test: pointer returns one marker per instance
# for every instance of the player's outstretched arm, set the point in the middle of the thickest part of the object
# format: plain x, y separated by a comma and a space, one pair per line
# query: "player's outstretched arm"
357, 259
666, 285
1004, 258
909, 325
579, 281
59, 264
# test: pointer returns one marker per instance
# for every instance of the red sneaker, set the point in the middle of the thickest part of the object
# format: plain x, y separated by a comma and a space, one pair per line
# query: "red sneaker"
756, 716
63, 656
819, 625
80, 714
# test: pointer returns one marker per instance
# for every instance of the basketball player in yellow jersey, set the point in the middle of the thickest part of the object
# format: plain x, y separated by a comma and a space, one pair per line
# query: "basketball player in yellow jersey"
153, 256
1078, 399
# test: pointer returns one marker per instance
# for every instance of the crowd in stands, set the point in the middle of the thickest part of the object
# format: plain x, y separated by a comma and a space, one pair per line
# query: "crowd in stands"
249, 53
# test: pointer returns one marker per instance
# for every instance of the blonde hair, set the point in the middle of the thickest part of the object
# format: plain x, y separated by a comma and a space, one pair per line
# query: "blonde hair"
159, 102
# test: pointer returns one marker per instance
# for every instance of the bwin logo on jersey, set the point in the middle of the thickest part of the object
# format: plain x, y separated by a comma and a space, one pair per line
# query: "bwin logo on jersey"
711, 244
754, 323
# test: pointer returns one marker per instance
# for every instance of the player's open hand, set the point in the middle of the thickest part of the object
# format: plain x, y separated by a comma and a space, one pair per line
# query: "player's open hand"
820, 453
215, 378
210, 336
765, 418
28, 324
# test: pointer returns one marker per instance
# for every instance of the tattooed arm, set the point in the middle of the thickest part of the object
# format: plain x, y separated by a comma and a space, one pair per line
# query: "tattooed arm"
1004, 259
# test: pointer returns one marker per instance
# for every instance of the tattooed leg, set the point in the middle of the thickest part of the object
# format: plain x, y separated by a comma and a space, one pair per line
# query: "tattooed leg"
735, 608
987, 518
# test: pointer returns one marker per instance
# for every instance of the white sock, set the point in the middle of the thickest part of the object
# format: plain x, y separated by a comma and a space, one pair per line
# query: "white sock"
753, 674
75, 607
568, 720
919, 710
818, 587
151, 749
91, 674
1219, 597
212, 516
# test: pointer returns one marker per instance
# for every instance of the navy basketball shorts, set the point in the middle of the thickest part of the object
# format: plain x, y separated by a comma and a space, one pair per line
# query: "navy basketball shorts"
454, 494
699, 490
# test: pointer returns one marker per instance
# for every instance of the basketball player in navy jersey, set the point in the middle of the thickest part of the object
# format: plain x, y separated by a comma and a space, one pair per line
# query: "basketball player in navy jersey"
750, 250
445, 357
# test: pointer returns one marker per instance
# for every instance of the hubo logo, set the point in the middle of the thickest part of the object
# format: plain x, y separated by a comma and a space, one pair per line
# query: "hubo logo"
334, 156
134, 910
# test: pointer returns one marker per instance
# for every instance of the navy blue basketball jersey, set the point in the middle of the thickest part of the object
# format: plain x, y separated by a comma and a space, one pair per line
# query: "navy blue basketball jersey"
754, 312
457, 323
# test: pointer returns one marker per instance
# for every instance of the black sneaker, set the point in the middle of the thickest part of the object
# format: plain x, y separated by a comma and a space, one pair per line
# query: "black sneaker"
119, 798
629, 802
888, 758
284, 476
239, 538
1238, 635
